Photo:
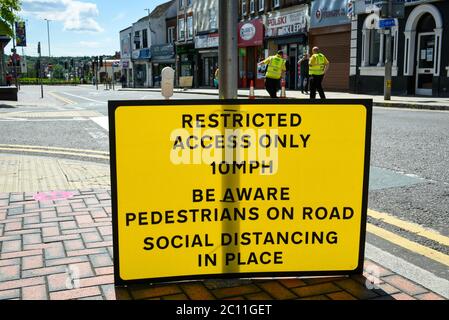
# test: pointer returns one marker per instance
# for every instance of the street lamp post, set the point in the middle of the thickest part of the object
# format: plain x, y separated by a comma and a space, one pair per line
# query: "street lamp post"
387, 12
49, 50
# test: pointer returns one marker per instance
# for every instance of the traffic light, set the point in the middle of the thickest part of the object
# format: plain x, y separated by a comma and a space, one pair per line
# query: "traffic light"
101, 62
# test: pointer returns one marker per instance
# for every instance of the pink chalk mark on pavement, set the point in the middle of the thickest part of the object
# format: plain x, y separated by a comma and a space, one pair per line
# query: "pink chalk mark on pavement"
52, 196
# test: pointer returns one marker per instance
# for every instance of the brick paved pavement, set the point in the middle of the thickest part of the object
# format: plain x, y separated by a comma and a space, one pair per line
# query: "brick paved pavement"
62, 250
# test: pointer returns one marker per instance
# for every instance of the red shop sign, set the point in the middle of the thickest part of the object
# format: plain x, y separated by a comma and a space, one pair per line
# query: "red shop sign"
250, 33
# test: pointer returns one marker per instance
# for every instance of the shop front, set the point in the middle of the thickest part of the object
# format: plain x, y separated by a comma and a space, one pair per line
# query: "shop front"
251, 52
330, 30
185, 55
142, 68
420, 62
127, 72
161, 56
207, 50
286, 30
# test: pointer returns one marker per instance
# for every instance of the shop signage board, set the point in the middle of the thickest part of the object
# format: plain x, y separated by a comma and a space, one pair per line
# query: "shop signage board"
232, 188
329, 13
284, 23
250, 33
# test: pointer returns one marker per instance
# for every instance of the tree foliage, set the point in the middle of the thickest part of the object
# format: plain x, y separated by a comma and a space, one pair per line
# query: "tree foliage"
8, 9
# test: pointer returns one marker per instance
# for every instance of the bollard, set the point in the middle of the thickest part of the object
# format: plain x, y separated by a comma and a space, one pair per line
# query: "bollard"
251, 90
283, 93
167, 83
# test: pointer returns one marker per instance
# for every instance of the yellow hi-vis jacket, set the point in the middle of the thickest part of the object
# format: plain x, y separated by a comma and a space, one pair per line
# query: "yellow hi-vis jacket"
317, 63
276, 65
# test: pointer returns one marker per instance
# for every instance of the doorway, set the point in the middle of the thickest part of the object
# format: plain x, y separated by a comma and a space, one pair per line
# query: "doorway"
425, 65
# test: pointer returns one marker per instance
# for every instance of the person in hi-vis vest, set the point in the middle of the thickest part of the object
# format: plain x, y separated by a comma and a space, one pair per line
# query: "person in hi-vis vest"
318, 66
275, 71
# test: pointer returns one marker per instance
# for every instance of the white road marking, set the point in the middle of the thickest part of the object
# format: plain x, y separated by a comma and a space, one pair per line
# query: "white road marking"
81, 97
102, 122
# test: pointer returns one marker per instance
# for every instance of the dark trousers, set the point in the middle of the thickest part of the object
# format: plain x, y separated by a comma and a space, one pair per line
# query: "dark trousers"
272, 86
304, 83
315, 85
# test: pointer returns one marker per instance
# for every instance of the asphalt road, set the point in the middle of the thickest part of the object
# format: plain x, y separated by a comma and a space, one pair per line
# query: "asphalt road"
409, 154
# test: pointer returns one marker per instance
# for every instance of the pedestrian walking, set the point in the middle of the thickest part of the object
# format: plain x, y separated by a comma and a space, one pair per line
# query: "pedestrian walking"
304, 73
275, 71
217, 78
8, 79
318, 66
123, 80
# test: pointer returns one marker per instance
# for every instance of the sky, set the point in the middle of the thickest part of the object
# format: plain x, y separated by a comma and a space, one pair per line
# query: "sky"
79, 27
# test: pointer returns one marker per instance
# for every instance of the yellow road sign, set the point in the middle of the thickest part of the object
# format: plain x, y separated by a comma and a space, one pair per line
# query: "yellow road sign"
238, 188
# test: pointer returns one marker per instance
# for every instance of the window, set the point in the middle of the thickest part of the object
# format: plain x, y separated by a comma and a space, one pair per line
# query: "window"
275, 3
181, 4
374, 48
251, 6
170, 34
261, 5
181, 29
137, 39
213, 19
190, 27
243, 7
144, 38
189, 3
373, 51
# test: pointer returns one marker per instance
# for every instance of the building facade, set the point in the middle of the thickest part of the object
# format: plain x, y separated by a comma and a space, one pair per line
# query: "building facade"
186, 60
420, 46
125, 56
330, 30
205, 32
141, 53
148, 46
284, 26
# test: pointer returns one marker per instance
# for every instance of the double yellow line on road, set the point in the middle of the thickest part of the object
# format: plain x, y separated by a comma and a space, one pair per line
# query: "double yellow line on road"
57, 151
408, 244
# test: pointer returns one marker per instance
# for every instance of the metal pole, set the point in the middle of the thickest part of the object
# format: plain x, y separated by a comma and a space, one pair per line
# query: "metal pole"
49, 51
227, 53
48, 36
388, 54
228, 68
40, 69
113, 77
